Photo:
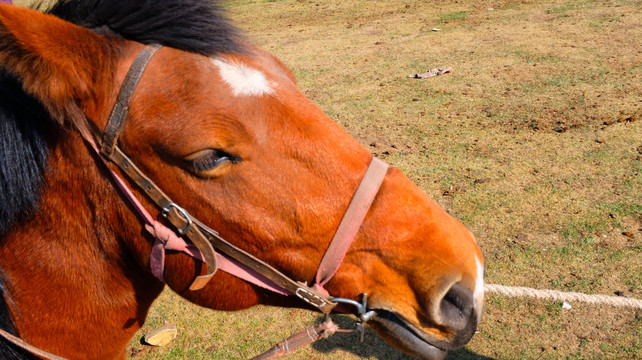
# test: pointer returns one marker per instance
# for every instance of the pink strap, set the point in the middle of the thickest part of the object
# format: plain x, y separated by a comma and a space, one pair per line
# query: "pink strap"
351, 222
166, 239
239, 270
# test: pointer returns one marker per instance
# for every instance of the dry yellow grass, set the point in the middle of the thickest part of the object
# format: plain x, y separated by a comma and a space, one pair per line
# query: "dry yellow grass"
544, 105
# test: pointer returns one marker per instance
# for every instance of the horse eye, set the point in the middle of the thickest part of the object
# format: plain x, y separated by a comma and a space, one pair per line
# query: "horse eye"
209, 159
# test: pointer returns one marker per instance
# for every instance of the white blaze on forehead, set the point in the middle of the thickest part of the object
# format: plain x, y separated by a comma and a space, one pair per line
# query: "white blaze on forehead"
244, 80
478, 295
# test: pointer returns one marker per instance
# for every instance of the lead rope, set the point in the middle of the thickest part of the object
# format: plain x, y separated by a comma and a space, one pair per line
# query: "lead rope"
298, 340
320, 331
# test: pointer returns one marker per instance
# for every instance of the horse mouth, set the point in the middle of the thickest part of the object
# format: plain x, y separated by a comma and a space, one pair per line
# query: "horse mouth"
406, 337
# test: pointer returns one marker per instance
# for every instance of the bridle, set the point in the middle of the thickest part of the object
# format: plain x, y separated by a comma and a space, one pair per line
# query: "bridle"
206, 239
205, 244
216, 251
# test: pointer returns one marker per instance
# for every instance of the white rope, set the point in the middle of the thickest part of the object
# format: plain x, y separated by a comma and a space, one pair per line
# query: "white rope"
563, 296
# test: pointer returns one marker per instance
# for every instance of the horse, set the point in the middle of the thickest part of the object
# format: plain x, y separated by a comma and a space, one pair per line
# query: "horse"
220, 127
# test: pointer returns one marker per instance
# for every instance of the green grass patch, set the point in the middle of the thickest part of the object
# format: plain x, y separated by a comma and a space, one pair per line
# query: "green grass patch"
622, 209
583, 229
457, 15
535, 58
574, 5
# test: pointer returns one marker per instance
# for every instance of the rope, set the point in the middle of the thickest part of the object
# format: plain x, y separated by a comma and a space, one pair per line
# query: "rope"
304, 337
546, 294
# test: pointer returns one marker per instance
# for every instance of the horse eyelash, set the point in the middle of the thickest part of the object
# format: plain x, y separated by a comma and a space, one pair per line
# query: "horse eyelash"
205, 163
211, 160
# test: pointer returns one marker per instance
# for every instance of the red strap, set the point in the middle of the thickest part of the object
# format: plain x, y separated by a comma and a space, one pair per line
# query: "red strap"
351, 222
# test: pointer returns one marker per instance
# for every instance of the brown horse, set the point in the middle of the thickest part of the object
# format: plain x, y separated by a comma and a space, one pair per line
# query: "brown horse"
221, 127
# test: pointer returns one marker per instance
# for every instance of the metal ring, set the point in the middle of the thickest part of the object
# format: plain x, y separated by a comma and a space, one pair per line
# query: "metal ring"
362, 312
361, 306
183, 213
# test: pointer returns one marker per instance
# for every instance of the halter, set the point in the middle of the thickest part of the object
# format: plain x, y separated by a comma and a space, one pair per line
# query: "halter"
228, 257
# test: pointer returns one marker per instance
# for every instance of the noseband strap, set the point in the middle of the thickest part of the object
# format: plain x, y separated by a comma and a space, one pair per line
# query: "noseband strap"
228, 257
351, 222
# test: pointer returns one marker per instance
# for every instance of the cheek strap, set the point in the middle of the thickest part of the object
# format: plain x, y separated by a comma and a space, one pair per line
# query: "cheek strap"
350, 223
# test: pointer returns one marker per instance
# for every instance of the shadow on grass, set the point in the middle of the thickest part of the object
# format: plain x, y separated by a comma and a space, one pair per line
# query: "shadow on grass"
373, 346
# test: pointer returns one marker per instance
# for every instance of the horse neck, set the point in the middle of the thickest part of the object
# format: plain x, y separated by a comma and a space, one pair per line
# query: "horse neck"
75, 264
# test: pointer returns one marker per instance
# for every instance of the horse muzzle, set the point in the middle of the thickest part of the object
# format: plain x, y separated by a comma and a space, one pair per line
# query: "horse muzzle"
455, 320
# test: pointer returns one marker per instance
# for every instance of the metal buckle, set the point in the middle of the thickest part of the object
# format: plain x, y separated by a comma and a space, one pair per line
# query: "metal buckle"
310, 298
183, 213
362, 312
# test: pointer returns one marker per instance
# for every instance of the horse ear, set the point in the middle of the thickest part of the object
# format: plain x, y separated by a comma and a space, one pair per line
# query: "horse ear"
56, 61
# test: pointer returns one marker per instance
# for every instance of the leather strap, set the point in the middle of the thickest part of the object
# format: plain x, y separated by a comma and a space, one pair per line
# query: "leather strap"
206, 239
321, 301
177, 216
351, 222
121, 108
302, 338
28, 347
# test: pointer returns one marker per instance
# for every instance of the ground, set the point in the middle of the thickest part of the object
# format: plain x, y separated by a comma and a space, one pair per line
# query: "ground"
534, 142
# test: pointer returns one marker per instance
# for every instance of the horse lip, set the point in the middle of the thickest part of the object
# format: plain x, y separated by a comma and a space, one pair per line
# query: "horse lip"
392, 317
415, 341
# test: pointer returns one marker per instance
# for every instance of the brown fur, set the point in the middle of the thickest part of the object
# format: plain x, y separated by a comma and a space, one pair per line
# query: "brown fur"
79, 269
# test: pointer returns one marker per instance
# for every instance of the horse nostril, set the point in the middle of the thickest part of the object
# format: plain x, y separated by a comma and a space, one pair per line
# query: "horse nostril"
456, 307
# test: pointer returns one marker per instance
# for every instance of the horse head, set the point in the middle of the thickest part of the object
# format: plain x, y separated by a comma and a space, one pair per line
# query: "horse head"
222, 128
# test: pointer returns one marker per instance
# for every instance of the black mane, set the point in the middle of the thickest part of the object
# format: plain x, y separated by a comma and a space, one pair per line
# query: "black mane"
24, 153
197, 26
24, 150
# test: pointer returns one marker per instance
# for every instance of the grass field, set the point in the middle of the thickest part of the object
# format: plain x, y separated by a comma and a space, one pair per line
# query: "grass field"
534, 142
